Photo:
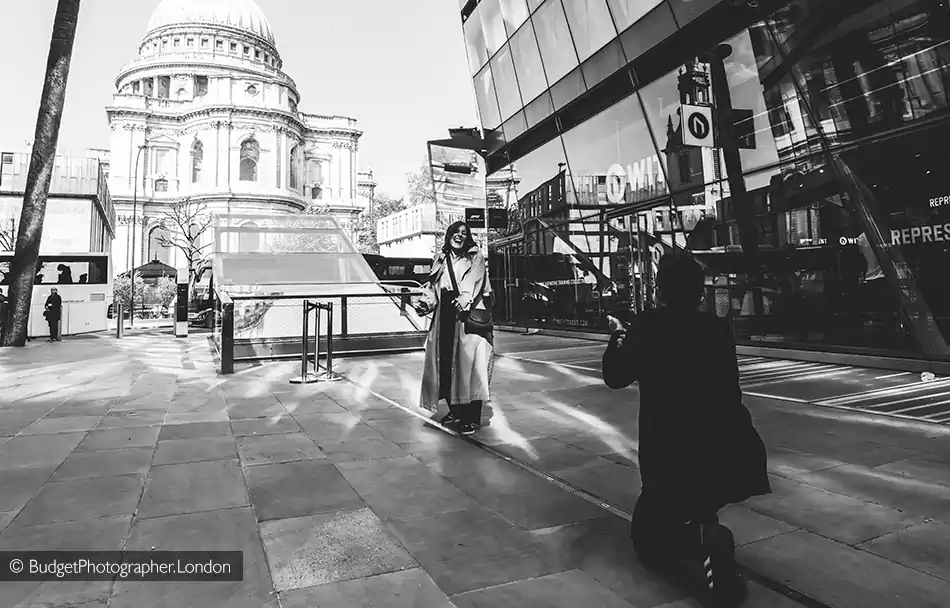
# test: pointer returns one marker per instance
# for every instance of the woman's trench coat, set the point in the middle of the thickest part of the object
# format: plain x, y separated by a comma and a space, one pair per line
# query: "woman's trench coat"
472, 354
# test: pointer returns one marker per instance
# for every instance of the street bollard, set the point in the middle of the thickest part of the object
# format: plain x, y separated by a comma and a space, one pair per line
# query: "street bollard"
119, 321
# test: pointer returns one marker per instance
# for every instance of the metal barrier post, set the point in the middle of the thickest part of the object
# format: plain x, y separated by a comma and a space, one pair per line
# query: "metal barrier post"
227, 337
305, 376
330, 375
344, 318
120, 320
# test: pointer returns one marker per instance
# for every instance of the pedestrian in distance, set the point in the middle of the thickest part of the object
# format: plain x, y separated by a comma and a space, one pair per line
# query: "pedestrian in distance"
53, 313
459, 346
698, 447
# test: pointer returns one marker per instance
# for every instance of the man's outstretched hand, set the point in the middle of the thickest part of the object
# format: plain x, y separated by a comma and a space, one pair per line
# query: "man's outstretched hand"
615, 325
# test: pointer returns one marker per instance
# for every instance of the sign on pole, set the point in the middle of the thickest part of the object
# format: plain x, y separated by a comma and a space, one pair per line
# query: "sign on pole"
697, 126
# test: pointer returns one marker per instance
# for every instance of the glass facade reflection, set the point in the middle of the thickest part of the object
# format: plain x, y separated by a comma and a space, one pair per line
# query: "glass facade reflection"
819, 203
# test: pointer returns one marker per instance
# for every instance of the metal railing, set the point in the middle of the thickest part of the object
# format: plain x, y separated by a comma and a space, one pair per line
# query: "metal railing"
305, 376
257, 327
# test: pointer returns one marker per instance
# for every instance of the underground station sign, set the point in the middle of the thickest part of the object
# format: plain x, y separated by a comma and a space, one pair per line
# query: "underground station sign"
497, 218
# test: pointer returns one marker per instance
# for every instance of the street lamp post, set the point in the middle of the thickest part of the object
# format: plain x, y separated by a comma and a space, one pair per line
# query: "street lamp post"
135, 192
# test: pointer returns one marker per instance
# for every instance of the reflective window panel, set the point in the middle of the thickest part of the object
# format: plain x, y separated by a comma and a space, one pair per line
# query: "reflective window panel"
554, 38
486, 99
528, 67
515, 13
627, 12
506, 84
591, 25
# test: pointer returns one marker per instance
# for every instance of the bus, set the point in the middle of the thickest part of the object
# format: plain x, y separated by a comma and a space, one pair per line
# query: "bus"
84, 282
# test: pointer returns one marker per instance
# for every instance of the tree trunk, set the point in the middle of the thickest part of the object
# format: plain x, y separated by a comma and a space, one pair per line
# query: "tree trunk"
42, 160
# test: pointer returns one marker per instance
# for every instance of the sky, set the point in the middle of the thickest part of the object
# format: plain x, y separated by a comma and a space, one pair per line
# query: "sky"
397, 66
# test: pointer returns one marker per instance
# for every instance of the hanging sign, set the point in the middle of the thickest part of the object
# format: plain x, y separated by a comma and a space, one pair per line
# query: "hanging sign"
697, 126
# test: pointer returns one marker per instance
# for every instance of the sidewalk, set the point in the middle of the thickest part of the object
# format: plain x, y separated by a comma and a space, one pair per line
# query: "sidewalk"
338, 498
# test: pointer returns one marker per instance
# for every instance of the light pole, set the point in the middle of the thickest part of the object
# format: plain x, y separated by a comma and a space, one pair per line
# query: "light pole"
135, 192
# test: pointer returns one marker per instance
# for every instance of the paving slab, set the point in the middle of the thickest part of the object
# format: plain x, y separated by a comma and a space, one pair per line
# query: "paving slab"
279, 424
122, 419
61, 424
90, 535
129, 461
116, 439
32, 453
405, 589
217, 530
562, 590
82, 499
331, 547
274, 449
194, 430
177, 489
20, 485
472, 549
196, 449
841, 576
395, 487
836, 516
361, 448
923, 547
911, 495
295, 489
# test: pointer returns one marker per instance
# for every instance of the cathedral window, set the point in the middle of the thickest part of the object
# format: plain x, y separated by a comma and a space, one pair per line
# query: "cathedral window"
197, 157
251, 90
147, 87
234, 47
219, 44
177, 42
257, 54
247, 50
204, 43
294, 168
161, 185
250, 154
191, 42
164, 83
201, 86
136, 87
158, 249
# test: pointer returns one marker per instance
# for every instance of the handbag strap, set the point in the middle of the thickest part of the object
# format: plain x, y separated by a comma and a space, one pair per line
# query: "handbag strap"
451, 264
455, 285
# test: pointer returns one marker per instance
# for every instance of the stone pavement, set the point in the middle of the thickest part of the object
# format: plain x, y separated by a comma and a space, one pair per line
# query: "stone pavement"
338, 498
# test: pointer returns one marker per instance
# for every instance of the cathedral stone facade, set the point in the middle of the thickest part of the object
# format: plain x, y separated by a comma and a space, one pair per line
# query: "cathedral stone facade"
204, 112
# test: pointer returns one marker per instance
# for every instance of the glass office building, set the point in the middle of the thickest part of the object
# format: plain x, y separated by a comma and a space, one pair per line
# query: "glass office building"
799, 150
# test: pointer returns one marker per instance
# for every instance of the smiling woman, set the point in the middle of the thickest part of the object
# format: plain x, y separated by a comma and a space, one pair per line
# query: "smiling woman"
459, 349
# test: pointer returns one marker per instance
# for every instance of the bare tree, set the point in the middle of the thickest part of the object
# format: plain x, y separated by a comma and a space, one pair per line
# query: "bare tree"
8, 234
185, 222
42, 159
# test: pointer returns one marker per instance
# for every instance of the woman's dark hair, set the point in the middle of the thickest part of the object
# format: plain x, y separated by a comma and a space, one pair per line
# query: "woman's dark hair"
450, 232
680, 281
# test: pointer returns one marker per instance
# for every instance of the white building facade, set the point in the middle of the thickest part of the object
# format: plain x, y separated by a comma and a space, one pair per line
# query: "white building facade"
204, 112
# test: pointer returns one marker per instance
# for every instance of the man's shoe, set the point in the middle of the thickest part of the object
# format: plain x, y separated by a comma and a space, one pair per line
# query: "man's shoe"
724, 586
468, 429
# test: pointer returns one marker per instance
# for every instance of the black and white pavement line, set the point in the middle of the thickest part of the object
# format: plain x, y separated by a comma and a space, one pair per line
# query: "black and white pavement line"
761, 579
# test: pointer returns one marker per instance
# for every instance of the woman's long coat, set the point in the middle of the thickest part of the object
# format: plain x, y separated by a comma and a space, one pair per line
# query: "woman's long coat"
472, 354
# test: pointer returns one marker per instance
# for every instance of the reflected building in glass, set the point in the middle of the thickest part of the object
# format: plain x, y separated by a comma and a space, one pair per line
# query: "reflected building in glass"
796, 149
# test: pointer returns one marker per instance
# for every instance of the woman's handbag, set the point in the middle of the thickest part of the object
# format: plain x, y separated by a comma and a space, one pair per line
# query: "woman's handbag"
476, 321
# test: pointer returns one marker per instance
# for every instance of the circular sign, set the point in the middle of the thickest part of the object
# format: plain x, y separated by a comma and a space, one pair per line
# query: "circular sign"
698, 125
842, 241
657, 253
